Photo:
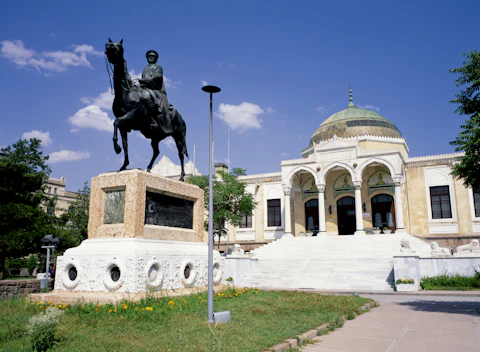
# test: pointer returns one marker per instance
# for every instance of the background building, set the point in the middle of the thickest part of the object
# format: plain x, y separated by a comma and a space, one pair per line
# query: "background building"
56, 187
355, 178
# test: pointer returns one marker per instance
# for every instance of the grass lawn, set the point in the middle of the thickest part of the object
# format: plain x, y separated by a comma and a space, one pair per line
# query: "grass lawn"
259, 320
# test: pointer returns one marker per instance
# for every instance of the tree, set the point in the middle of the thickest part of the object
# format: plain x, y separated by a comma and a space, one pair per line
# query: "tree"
230, 199
468, 140
23, 222
74, 222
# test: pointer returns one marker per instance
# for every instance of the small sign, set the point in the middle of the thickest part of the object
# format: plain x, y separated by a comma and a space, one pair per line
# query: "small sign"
366, 215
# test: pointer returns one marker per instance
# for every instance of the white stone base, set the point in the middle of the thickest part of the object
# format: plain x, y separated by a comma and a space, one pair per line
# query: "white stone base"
360, 233
405, 288
144, 265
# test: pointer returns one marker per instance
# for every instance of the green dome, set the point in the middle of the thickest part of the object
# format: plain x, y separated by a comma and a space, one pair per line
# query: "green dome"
355, 122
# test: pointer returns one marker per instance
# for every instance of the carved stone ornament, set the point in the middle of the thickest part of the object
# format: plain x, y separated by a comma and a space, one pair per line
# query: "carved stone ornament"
153, 273
287, 190
188, 266
405, 246
471, 249
438, 251
357, 185
321, 188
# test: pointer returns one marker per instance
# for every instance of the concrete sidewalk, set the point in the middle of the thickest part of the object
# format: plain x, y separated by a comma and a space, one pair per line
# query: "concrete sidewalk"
410, 323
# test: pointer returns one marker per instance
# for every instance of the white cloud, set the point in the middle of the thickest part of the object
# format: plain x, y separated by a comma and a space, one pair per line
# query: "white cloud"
269, 109
67, 155
171, 84
135, 75
220, 63
369, 107
43, 136
322, 110
104, 100
204, 83
16, 52
170, 143
284, 154
87, 49
91, 117
57, 61
240, 117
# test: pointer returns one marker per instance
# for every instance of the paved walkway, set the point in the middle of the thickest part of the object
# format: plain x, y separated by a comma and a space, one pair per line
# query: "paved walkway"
410, 323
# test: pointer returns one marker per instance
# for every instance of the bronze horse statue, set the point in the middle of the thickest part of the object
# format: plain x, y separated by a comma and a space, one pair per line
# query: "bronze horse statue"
132, 112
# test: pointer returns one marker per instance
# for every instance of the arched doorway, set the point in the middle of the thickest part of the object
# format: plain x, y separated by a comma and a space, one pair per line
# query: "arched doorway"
346, 216
311, 215
383, 211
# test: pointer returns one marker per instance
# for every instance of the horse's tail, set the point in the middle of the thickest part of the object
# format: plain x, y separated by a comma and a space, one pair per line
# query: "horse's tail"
184, 139
180, 133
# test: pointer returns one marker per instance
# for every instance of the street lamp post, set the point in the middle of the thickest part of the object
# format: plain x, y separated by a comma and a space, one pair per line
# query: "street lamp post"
210, 318
50, 243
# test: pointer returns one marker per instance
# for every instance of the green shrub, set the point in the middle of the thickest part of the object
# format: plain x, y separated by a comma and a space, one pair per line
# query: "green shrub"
42, 327
31, 264
451, 282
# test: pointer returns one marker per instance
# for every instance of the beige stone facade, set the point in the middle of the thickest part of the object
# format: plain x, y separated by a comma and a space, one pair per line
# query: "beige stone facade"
56, 187
125, 193
356, 178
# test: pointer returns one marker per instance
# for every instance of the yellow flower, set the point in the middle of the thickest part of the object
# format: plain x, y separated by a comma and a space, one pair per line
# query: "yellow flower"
110, 311
41, 307
60, 305
143, 308
204, 300
149, 309
39, 303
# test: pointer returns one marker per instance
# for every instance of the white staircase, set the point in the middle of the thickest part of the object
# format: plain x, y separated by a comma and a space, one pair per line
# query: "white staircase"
330, 262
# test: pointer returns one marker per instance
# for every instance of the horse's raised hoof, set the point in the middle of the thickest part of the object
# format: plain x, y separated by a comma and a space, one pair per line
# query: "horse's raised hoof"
118, 149
148, 169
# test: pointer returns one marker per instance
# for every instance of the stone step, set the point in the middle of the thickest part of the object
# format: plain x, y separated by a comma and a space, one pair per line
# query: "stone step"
330, 262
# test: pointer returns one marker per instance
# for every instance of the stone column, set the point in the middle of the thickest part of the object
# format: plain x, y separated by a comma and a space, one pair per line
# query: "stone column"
358, 209
287, 213
400, 227
322, 227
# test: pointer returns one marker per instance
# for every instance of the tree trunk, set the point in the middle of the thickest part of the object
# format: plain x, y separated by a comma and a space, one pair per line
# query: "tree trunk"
2, 265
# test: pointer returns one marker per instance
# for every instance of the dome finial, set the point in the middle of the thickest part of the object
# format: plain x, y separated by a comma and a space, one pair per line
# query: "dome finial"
351, 104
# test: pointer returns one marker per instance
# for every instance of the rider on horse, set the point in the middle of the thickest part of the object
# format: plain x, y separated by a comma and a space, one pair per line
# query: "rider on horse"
153, 85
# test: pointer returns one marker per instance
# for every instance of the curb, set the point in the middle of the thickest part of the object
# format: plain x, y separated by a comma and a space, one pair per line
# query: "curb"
312, 334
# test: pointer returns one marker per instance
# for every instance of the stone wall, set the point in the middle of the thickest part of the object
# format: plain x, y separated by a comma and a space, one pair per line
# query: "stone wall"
415, 267
238, 267
10, 288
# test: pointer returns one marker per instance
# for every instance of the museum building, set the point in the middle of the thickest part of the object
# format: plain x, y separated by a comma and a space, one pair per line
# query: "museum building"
355, 178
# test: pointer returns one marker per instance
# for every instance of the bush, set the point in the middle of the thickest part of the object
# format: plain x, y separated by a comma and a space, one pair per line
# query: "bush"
31, 264
451, 282
42, 327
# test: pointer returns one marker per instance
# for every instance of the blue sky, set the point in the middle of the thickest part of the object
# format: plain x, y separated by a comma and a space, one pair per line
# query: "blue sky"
283, 66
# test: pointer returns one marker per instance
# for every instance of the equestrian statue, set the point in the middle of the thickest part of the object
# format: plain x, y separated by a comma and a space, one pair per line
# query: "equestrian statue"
143, 107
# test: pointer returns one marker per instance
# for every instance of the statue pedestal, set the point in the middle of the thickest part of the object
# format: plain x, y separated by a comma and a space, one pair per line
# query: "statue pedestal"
145, 233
